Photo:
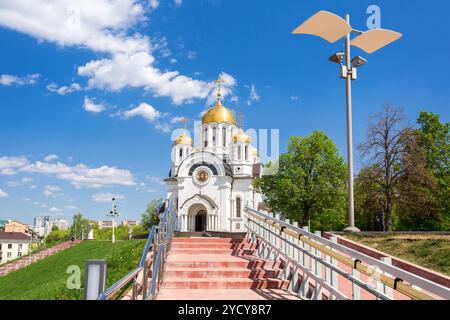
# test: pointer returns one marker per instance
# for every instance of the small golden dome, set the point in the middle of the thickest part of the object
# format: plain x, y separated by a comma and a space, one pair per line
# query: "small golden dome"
241, 137
219, 114
254, 152
183, 139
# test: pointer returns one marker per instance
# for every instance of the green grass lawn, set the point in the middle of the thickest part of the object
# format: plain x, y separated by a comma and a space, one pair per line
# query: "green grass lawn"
429, 251
46, 279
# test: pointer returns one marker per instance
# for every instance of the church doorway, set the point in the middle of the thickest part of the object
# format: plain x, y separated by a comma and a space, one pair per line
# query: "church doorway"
200, 221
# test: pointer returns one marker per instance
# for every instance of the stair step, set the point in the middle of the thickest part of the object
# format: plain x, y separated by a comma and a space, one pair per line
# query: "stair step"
229, 283
202, 251
202, 245
206, 240
238, 263
226, 294
220, 273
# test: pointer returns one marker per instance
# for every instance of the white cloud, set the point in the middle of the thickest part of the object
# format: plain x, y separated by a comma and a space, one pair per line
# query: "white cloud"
143, 110
191, 55
137, 70
178, 2
70, 207
79, 175
106, 197
175, 120
294, 98
98, 25
73, 87
7, 79
55, 210
3, 194
253, 95
83, 176
51, 157
154, 4
106, 26
51, 190
8, 165
90, 106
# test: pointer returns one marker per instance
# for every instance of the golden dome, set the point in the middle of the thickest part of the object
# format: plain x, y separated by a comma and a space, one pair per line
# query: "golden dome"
183, 139
254, 152
219, 114
241, 137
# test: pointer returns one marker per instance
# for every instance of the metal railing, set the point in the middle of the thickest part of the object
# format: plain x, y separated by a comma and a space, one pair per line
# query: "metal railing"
153, 256
305, 255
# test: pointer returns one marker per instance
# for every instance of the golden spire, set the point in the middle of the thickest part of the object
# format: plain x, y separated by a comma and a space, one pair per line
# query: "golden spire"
241, 120
219, 94
184, 137
185, 120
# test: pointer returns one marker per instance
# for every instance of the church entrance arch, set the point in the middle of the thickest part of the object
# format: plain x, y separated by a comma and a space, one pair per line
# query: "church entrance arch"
200, 221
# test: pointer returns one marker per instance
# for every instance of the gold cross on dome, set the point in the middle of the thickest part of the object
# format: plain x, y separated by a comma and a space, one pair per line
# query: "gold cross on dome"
241, 120
219, 83
185, 121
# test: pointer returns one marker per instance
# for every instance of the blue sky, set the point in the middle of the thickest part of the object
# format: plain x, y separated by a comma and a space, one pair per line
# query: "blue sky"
90, 91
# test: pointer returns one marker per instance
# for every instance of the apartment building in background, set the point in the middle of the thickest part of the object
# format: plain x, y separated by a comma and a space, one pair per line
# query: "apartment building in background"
13, 245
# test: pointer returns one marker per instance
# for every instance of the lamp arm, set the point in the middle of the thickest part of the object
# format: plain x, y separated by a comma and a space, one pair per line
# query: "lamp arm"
358, 32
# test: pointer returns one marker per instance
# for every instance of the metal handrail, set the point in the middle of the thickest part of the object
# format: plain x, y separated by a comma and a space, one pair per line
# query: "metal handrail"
163, 250
151, 245
147, 246
358, 260
120, 284
155, 274
327, 264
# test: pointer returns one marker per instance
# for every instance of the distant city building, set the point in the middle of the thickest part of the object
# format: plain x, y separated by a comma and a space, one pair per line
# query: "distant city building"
15, 226
130, 223
106, 224
2, 224
43, 225
38, 222
39, 226
13, 245
61, 224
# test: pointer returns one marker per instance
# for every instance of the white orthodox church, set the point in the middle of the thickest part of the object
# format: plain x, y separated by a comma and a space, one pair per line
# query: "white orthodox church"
212, 183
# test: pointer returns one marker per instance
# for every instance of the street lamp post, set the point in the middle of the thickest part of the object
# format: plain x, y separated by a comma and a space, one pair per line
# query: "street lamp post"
31, 244
332, 28
113, 213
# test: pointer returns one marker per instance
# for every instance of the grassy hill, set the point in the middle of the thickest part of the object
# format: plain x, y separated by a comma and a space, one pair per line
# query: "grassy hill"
429, 251
46, 279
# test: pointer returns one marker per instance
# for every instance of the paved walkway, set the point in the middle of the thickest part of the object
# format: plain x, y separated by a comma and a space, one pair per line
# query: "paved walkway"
25, 261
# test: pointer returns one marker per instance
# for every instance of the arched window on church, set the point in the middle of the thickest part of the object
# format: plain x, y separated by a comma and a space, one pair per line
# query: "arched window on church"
214, 137
224, 137
246, 153
239, 155
206, 137
238, 207
181, 154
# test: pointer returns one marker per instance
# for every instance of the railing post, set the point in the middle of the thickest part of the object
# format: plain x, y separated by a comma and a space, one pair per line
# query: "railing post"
333, 276
145, 280
384, 288
356, 290
306, 259
317, 266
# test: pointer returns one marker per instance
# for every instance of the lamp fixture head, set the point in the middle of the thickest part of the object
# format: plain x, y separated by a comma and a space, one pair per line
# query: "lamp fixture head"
358, 61
337, 57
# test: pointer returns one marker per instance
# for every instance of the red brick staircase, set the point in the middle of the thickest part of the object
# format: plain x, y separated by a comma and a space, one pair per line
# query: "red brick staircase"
219, 269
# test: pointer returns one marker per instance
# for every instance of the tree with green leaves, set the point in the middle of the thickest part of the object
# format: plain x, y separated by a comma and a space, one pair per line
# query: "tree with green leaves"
80, 227
151, 215
369, 200
310, 184
416, 203
434, 138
